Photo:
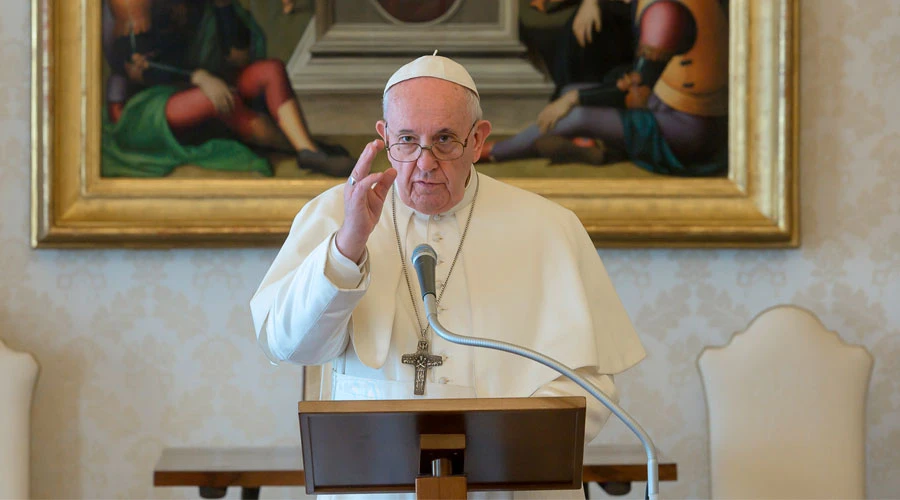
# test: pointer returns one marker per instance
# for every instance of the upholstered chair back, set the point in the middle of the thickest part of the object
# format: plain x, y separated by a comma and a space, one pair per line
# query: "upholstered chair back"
786, 405
18, 374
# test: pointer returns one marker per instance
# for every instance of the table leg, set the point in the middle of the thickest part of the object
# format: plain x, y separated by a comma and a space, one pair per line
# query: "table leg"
250, 493
210, 492
616, 488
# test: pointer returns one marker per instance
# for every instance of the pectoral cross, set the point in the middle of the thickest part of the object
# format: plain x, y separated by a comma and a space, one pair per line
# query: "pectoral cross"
421, 361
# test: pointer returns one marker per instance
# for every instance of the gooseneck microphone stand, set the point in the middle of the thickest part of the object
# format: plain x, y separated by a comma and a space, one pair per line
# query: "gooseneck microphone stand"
423, 259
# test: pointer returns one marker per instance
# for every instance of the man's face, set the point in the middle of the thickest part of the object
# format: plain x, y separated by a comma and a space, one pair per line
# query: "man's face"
431, 111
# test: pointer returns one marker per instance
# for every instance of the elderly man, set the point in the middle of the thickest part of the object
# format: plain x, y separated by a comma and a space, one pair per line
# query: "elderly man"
512, 266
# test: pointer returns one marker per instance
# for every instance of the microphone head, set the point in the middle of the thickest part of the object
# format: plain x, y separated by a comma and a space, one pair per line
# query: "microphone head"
424, 258
423, 250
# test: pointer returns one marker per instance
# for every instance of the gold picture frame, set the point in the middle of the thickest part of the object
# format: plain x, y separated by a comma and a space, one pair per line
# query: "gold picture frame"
756, 205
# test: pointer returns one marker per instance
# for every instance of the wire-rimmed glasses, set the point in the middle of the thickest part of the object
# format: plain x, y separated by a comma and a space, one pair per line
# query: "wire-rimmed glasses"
448, 150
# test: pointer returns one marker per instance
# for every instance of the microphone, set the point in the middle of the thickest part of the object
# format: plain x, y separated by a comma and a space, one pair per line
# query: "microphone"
424, 258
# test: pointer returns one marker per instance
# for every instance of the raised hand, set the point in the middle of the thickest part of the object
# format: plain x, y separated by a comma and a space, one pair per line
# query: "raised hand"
364, 196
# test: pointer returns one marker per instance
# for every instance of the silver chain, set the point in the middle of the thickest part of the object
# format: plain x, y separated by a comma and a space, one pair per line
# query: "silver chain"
462, 240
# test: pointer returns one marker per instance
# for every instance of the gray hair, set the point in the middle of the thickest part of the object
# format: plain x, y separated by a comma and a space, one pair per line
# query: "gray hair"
473, 104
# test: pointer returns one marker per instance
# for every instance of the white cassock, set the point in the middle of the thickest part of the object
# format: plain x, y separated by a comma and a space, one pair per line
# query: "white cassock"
527, 274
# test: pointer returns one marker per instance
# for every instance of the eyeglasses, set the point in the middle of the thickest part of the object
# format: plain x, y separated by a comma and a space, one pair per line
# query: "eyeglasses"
450, 149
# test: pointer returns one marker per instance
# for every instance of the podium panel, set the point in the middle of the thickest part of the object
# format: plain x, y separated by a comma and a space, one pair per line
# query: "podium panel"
510, 443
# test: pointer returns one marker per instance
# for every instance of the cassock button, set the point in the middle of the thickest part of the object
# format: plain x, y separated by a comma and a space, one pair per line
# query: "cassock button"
437, 237
437, 217
440, 262
443, 380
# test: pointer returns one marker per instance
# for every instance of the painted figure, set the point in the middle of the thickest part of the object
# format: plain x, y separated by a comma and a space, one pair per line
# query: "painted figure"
190, 84
597, 38
667, 113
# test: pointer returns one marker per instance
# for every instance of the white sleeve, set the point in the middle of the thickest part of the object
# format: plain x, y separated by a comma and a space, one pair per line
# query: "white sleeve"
596, 414
309, 320
343, 272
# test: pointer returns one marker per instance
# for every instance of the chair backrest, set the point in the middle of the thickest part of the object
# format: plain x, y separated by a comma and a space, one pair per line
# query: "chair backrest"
18, 373
786, 408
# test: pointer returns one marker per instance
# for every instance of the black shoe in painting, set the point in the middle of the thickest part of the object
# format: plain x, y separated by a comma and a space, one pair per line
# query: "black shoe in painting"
317, 161
331, 149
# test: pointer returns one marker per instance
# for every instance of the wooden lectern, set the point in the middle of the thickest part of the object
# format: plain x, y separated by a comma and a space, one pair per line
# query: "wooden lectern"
442, 448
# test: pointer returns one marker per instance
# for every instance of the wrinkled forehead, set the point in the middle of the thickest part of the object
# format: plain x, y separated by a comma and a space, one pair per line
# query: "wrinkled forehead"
427, 105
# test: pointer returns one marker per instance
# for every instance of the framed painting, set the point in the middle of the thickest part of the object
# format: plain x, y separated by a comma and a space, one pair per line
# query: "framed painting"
166, 123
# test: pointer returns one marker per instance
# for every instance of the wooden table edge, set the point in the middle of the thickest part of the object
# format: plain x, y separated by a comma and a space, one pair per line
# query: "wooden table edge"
223, 479
626, 473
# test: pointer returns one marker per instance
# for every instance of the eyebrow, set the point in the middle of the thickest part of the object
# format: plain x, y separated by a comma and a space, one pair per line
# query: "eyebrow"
444, 130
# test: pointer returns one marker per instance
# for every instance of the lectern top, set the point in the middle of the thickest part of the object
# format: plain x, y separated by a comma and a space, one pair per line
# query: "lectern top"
443, 405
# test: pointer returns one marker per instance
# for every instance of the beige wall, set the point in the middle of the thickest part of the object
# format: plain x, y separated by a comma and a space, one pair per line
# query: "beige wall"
146, 349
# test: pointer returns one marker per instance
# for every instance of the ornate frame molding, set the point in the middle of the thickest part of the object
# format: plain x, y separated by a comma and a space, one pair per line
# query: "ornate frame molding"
73, 206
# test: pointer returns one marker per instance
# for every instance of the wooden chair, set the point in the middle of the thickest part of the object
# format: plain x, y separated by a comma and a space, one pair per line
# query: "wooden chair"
18, 373
786, 405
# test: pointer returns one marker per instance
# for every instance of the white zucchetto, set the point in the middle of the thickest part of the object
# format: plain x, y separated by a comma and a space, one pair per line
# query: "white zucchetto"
433, 66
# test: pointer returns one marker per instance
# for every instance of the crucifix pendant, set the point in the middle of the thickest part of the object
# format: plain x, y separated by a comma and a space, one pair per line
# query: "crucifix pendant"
421, 361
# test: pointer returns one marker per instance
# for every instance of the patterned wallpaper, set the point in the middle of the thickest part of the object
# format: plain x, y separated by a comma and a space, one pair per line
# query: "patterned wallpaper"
145, 349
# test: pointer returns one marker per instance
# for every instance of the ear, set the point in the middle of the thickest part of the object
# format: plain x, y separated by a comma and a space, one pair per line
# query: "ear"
482, 131
380, 127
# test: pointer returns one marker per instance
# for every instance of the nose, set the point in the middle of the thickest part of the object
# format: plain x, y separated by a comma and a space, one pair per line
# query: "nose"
427, 161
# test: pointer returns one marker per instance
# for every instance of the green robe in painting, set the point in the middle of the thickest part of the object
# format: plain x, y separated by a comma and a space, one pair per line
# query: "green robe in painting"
141, 144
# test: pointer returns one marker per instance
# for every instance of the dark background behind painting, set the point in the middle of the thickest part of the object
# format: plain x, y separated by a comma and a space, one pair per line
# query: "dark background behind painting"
284, 30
